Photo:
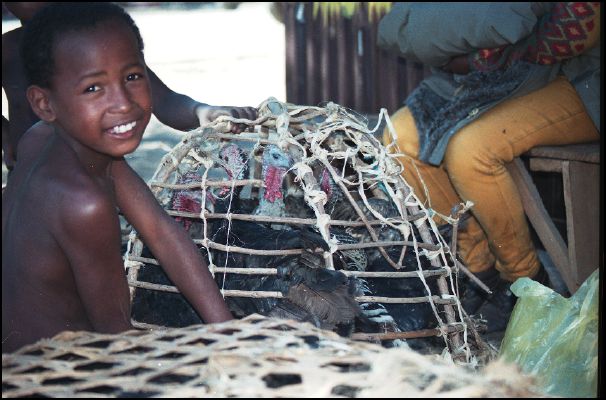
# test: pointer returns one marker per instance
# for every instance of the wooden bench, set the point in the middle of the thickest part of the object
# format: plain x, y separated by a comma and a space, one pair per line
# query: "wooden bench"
580, 168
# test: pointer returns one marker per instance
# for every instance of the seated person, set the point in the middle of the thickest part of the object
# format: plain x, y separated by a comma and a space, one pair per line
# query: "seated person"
462, 124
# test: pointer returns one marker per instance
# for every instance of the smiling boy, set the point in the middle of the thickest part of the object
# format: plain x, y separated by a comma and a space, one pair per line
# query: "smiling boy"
61, 261
176, 110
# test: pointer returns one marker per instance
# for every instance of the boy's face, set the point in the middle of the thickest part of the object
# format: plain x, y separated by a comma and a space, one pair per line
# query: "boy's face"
100, 93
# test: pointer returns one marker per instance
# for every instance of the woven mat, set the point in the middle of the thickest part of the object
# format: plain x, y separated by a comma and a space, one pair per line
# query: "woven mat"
252, 357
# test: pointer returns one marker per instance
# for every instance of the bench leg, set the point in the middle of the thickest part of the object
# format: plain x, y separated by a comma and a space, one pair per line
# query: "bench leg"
541, 221
581, 197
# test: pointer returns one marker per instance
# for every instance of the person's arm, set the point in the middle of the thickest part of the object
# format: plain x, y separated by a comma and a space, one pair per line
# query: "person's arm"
7, 149
89, 234
184, 113
567, 31
173, 109
170, 244
8, 53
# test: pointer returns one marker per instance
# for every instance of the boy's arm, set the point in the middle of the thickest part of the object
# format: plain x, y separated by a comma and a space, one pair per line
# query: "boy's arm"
89, 235
170, 243
184, 113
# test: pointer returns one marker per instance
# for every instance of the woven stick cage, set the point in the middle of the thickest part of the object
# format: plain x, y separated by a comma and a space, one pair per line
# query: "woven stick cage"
252, 357
339, 142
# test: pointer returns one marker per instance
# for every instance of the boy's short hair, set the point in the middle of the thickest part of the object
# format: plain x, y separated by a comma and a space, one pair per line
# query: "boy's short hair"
41, 33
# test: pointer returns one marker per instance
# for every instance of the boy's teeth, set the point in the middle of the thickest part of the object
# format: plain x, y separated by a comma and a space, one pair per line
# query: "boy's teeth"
124, 128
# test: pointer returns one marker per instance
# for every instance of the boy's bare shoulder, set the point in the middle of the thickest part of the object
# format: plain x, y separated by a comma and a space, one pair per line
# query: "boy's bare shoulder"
79, 201
87, 200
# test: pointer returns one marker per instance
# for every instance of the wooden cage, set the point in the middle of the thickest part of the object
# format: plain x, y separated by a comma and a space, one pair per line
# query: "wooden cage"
332, 139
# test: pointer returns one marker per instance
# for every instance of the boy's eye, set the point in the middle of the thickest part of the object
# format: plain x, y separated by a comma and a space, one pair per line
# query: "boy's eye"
133, 76
92, 88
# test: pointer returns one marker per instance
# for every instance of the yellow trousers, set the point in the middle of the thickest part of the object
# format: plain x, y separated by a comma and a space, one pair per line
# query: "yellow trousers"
474, 169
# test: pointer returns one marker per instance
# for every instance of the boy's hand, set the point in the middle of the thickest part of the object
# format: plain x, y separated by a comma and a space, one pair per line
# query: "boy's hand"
208, 113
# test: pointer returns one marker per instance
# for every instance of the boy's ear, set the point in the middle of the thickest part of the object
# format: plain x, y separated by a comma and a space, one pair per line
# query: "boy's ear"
39, 100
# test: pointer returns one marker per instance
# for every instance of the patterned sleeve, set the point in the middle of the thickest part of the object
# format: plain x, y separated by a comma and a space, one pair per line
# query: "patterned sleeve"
567, 31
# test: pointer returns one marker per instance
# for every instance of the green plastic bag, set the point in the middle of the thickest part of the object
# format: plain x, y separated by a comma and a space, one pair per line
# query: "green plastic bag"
554, 338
